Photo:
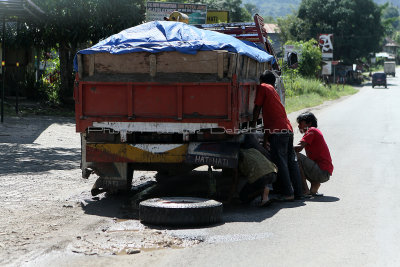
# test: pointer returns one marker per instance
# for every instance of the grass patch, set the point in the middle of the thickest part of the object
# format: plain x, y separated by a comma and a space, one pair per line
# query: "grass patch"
304, 93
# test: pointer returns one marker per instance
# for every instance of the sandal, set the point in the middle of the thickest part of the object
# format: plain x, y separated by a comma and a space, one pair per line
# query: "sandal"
317, 194
265, 203
281, 198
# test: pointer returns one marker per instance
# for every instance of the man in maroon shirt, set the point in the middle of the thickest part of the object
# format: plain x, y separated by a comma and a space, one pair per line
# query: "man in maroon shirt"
317, 166
278, 137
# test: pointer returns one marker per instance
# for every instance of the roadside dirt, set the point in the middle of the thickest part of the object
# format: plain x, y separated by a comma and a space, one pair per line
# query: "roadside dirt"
46, 206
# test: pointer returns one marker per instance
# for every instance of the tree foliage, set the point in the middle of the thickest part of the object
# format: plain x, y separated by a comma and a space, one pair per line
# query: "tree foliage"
71, 23
290, 27
390, 19
311, 57
252, 9
356, 25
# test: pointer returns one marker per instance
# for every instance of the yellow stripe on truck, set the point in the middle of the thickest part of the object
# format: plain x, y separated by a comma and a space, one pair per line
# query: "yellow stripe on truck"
135, 154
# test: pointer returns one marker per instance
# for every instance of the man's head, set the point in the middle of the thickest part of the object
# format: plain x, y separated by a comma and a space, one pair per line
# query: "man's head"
306, 120
268, 77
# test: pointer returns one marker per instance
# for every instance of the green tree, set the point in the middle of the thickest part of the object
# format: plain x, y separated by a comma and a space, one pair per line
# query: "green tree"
290, 28
356, 25
390, 19
391, 12
311, 57
251, 8
71, 23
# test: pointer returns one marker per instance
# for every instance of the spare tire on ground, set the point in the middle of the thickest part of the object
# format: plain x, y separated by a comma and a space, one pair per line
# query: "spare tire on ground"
180, 211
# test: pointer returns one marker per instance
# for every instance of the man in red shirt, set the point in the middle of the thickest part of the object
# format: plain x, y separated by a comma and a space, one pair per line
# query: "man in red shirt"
317, 166
278, 137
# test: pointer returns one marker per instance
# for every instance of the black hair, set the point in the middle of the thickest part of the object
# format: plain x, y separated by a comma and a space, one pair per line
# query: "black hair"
268, 77
308, 117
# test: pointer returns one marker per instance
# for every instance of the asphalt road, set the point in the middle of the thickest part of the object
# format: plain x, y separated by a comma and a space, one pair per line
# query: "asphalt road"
356, 223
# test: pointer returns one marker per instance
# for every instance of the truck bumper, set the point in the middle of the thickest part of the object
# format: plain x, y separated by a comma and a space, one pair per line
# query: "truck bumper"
139, 153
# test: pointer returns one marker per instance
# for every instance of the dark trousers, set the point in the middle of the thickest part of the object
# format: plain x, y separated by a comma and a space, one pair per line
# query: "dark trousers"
251, 191
283, 155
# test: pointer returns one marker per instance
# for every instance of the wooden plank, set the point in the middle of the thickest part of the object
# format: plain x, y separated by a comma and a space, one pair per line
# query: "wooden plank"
253, 69
226, 62
175, 62
232, 64
220, 65
122, 64
244, 67
153, 65
85, 59
80, 66
258, 69
91, 64
167, 62
239, 65
248, 67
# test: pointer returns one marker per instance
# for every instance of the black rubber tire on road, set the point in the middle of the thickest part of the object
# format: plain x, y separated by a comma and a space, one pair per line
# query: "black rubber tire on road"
180, 211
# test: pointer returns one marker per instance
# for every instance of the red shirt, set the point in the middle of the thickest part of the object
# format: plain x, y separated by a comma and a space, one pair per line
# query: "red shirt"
274, 113
317, 149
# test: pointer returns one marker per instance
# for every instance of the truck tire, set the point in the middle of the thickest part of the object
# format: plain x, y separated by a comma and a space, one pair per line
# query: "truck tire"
180, 211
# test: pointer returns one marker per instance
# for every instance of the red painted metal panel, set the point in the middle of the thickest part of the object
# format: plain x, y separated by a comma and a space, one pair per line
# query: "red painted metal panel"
179, 96
229, 104
105, 100
205, 101
130, 99
156, 101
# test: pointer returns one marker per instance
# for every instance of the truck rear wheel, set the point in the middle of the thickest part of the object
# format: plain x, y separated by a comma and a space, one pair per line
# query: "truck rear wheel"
180, 211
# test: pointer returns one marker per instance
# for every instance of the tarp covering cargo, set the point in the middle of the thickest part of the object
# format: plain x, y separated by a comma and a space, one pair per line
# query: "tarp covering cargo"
161, 36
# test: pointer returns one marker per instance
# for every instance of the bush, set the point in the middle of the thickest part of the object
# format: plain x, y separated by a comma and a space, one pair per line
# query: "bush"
310, 58
51, 82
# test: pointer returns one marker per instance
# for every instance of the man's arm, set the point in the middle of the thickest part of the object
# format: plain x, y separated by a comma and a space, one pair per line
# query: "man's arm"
299, 147
256, 114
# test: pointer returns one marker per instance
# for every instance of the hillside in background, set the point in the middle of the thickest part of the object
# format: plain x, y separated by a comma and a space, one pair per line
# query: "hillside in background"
280, 8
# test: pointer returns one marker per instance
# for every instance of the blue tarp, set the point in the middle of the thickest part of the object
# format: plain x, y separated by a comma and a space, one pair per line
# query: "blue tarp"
160, 36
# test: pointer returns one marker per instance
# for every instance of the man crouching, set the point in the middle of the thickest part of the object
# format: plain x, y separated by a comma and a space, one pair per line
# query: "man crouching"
317, 166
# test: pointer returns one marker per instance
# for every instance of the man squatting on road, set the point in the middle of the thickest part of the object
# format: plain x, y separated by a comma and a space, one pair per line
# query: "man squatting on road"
278, 138
317, 166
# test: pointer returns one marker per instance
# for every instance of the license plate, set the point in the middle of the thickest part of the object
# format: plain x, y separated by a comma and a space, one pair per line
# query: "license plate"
217, 154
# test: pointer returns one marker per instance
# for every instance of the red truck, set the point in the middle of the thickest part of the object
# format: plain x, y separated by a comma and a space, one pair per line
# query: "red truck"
165, 111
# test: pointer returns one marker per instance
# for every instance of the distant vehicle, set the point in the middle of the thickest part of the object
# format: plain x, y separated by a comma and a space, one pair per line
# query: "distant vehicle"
354, 77
379, 78
389, 68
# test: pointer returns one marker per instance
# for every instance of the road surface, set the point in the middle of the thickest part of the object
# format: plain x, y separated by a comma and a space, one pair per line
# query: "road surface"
356, 223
